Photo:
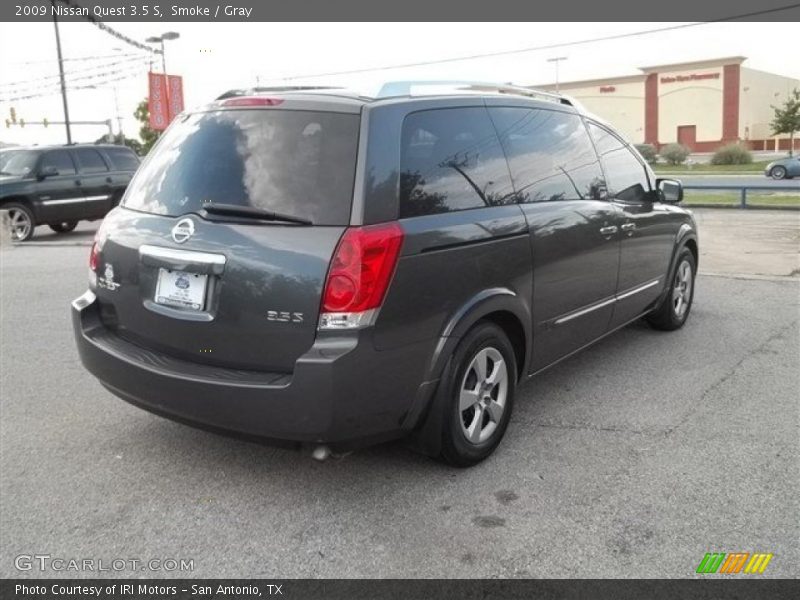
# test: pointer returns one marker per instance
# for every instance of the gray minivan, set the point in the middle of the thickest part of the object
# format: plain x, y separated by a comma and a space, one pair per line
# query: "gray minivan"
331, 270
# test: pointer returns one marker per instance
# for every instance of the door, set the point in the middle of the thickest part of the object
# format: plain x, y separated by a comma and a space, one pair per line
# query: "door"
60, 193
647, 228
573, 227
687, 135
96, 182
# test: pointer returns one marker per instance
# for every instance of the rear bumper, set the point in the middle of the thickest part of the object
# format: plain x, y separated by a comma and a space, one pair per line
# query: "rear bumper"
342, 391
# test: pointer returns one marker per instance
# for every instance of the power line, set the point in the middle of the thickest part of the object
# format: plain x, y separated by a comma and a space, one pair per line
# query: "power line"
545, 46
43, 79
109, 30
106, 77
72, 59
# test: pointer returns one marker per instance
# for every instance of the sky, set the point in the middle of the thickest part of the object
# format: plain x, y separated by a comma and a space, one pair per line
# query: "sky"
215, 57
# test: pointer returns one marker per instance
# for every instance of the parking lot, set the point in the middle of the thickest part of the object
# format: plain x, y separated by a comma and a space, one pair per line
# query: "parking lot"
631, 459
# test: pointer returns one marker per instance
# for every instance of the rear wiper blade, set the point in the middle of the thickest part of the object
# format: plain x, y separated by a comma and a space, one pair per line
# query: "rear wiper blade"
251, 212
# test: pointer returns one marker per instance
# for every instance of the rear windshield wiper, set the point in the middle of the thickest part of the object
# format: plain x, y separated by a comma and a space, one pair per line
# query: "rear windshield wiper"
251, 212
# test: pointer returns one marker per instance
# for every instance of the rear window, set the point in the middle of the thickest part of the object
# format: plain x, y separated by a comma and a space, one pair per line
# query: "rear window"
90, 161
450, 160
299, 163
122, 159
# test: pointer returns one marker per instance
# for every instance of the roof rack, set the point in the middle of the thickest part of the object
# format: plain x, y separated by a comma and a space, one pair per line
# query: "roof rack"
278, 88
407, 88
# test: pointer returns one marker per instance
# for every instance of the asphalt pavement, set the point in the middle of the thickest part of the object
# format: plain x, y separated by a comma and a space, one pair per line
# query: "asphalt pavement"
632, 459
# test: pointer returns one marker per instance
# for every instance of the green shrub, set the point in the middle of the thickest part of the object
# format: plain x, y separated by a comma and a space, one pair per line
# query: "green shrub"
648, 152
675, 154
732, 154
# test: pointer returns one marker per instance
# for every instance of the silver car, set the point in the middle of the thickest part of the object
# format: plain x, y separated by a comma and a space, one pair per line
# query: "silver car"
786, 168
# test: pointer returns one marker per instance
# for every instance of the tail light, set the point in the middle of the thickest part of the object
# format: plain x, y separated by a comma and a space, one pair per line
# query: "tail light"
93, 258
94, 261
360, 273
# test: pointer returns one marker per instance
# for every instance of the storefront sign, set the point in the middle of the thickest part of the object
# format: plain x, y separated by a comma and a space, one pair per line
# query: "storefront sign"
692, 77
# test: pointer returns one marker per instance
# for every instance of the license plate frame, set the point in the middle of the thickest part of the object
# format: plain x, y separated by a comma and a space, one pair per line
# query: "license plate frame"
181, 289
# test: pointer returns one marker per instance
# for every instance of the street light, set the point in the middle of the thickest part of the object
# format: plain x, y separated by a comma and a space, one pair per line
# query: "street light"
557, 60
160, 39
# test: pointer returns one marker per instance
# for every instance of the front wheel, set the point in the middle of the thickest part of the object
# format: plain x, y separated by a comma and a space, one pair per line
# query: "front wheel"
674, 309
21, 221
480, 395
63, 226
778, 172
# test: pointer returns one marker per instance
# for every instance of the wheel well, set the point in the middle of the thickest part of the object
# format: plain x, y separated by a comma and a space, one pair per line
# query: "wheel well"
692, 246
512, 327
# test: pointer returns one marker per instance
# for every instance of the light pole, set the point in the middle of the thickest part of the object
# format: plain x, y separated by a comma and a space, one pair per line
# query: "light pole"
61, 76
557, 60
160, 39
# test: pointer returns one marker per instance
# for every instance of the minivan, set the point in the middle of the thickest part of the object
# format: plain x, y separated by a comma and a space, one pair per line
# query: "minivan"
330, 269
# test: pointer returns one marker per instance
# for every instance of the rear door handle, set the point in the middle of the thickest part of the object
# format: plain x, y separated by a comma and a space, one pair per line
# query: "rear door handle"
109, 180
608, 230
629, 228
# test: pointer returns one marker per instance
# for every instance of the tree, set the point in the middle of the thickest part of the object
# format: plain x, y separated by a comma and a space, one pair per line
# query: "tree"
149, 136
787, 118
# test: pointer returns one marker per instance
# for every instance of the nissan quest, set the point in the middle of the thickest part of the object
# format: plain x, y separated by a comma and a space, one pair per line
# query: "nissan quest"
328, 269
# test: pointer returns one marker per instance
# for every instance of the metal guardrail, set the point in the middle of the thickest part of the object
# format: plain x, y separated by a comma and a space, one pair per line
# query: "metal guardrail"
743, 189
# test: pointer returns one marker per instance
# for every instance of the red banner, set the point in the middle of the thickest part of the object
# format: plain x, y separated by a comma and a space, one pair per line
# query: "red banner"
157, 101
175, 97
165, 99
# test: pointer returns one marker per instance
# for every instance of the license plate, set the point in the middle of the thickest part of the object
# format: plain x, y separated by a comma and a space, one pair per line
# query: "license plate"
181, 289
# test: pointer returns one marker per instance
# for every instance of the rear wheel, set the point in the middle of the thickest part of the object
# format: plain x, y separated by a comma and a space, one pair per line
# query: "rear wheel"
21, 220
674, 309
778, 172
63, 226
480, 395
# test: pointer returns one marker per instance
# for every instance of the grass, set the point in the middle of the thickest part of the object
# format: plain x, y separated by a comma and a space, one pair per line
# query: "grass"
753, 167
732, 199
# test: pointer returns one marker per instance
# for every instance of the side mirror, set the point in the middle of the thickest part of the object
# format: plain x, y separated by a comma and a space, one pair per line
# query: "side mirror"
670, 191
49, 171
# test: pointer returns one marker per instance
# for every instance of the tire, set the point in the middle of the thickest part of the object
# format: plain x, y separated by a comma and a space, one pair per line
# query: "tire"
22, 223
470, 433
778, 172
674, 309
63, 226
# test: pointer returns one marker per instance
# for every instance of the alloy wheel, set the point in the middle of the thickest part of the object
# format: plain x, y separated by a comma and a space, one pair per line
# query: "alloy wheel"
682, 289
778, 173
483, 395
20, 223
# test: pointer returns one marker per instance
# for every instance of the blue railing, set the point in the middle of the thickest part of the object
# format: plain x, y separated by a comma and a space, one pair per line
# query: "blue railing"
743, 189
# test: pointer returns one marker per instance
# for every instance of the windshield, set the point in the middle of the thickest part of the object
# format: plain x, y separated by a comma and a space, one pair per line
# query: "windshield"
298, 163
17, 162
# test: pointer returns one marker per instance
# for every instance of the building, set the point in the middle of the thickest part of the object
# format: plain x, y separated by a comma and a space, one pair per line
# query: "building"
703, 104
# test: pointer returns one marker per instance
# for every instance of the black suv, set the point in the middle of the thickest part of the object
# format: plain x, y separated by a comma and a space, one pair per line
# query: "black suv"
61, 185
335, 270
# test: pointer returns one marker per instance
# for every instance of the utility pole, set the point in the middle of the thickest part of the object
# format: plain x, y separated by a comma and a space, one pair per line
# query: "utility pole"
557, 60
61, 74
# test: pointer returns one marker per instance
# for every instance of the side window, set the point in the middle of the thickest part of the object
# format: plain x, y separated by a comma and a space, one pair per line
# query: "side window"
550, 155
122, 159
451, 159
61, 160
90, 161
627, 176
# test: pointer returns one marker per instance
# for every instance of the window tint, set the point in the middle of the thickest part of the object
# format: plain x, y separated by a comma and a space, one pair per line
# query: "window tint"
90, 161
451, 159
627, 177
122, 159
300, 163
550, 154
61, 160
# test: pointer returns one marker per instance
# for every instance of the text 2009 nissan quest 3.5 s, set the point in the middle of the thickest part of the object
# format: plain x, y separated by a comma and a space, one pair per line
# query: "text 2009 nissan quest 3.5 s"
330, 269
